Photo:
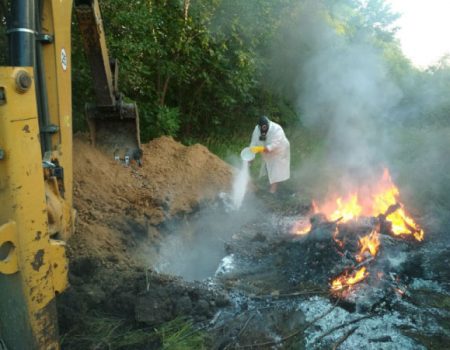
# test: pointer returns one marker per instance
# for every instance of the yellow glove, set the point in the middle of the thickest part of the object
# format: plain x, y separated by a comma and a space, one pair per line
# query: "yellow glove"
257, 149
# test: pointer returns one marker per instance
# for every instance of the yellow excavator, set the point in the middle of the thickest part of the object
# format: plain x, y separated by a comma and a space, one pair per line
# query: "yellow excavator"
36, 214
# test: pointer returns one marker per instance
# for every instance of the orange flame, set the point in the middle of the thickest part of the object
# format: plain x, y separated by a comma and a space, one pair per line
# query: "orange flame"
347, 281
400, 291
339, 242
345, 209
303, 231
401, 222
373, 200
301, 228
369, 243
380, 198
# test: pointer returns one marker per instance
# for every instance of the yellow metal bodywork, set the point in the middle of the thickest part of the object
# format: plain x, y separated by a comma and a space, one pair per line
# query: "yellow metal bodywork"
35, 206
27, 287
56, 21
8, 236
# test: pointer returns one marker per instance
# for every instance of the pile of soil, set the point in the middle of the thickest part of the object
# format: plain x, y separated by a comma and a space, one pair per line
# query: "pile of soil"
119, 209
116, 203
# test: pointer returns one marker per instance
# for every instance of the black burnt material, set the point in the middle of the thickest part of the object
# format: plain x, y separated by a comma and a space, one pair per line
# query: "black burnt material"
330, 249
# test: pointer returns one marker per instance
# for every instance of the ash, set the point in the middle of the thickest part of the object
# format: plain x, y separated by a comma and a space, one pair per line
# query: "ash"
226, 265
279, 290
380, 332
278, 285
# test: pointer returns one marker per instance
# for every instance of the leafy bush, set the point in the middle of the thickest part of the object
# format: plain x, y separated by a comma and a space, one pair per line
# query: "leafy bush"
165, 122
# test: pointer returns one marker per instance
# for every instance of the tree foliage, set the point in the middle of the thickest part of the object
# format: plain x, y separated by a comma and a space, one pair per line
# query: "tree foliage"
198, 68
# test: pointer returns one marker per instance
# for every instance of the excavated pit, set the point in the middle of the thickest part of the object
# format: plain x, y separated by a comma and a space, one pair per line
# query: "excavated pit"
155, 244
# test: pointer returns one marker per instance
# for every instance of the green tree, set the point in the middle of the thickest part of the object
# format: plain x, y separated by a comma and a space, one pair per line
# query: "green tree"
194, 67
210, 67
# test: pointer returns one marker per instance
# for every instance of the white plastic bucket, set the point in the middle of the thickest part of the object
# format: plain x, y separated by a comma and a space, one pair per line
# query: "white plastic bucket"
247, 154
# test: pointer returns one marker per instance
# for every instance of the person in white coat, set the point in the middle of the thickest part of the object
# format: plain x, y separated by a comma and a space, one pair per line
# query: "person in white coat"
276, 153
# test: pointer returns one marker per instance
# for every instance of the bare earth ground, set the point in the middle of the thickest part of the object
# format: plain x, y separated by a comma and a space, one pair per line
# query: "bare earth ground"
271, 290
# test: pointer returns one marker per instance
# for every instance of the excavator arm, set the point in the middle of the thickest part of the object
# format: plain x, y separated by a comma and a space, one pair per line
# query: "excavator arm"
113, 123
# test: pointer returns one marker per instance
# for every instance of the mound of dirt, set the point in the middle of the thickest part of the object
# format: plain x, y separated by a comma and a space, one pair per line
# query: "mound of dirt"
117, 205
119, 209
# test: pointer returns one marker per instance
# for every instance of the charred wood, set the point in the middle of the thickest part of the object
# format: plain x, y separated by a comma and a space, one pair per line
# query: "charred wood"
356, 320
344, 338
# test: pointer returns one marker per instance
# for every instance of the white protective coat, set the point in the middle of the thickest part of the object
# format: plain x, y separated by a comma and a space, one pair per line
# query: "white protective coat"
278, 159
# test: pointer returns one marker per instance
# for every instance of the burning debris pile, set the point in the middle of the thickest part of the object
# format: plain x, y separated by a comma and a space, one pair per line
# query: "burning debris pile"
345, 277
359, 224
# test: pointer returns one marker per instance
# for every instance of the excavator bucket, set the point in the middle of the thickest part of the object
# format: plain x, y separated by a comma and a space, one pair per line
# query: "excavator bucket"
113, 124
116, 131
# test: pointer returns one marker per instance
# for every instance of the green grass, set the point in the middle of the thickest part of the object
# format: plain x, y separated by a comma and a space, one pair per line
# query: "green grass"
107, 332
180, 334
